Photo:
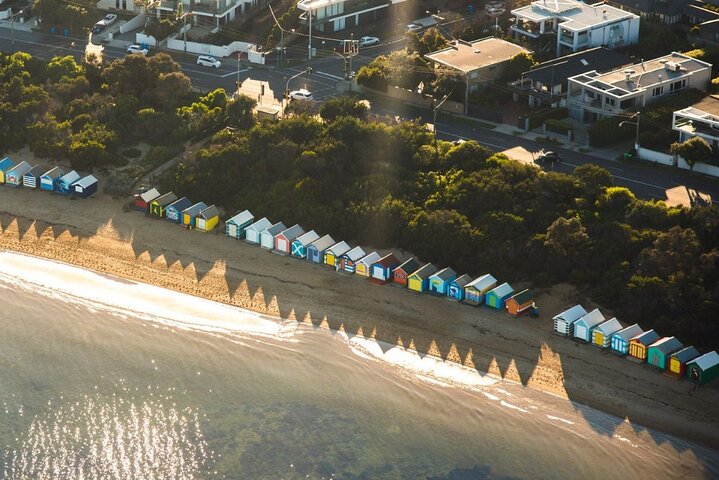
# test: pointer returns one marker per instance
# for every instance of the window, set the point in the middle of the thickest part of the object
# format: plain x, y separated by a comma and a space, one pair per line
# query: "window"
678, 85
656, 91
609, 101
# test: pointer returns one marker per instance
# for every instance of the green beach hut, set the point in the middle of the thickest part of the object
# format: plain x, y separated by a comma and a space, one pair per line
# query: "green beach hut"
704, 369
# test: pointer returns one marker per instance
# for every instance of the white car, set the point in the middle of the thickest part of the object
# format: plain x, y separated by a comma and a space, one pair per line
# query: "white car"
413, 27
301, 94
109, 19
137, 49
208, 61
367, 41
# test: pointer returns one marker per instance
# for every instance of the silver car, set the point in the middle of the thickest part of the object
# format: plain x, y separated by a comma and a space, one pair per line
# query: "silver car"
208, 61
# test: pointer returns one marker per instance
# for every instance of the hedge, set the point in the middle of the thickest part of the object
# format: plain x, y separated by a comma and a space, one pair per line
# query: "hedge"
535, 120
558, 126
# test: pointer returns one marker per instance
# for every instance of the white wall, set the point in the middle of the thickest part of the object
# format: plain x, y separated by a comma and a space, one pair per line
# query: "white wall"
700, 168
135, 23
668, 159
219, 51
143, 38
5, 14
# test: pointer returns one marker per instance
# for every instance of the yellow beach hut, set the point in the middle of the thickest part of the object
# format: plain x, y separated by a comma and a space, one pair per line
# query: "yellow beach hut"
208, 219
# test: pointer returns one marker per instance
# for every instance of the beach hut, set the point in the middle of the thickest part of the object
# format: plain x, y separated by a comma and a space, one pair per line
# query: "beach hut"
267, 236
564, 322
639, 344
364, 264
349, 259
66, 181
520, 303
498, 296
678, 361
583, 327
32, 178
404, 270
455, 290
208, 218
158, 205
419, 279
659, 352
704, 369
252, 232
382, 269
50, 180
299, 246
85, 187
602, 333
189, 215
5, 165
142, 200
235, 226
173, 212
620, 340
284, 239
13, 176
316, 250
439, 282
476, 290
332, 254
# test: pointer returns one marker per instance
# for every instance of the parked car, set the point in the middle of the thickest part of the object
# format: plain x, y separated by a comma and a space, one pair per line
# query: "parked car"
104, 23
413, 27
301, 94
549, 157
109, 19
367, 41
208, 61
137, 49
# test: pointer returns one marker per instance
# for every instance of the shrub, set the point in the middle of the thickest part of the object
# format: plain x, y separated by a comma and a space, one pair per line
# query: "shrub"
132, 153
557, 126
156, 156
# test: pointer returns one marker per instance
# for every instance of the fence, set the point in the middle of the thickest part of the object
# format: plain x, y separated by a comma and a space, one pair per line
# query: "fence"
177, 43
679, 162
133, 24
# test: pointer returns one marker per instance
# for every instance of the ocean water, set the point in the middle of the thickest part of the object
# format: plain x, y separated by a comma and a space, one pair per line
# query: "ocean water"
101, 378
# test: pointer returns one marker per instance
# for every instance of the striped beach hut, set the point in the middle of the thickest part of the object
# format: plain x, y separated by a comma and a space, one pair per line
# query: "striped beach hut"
678, 361
564, 322
267, 236
602, 333
332, 254
638, 345
497, 297
13, 177
316, 250
85, 187
158, 205
189, 215
300, 244
364, 264
455, 290
439, 282
659, 352
620, 340
404, 270
704, 369
66, 181
284, 239
32, 178
419, 279
520, 303
348, 261
50, 180
142, 200
253, 231
5, 165
235, 226
583, 327
208, 218
475, 291
173, 212
383, 269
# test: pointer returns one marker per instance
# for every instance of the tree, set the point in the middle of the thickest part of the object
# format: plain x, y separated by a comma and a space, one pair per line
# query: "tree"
593, 179
59, 67
430, 41
693, 151
238, 112
343, 106
518, 64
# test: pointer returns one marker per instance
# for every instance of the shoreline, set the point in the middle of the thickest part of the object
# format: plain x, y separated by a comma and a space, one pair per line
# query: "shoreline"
96, 234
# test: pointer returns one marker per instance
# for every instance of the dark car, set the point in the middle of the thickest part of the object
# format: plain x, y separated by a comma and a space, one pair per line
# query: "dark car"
549, 157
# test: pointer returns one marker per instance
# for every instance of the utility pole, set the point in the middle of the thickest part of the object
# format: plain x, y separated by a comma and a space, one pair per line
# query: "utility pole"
184, 29
435, 109
309, 44
349, 50
285, 97
636, 135
238, 73
12, 29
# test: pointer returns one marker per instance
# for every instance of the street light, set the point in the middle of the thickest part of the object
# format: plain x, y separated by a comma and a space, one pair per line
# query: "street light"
183, 17
636, 136
286, 95
12, 29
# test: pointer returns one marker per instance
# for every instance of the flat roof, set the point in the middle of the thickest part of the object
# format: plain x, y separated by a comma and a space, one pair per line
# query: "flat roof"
577, 16
470, 56
707, 108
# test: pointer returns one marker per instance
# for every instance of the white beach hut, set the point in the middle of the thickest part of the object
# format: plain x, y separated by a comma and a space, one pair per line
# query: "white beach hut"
564, 322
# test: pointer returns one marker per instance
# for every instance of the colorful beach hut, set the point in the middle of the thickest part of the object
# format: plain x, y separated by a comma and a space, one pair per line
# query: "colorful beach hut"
284, 239
299, 245
32, 178
564, 322
235, 226
5, 165
348, 261
173, 212
439, 282
50, 180
252, 232
602, 333
66, 181
158, 205
639, 344
476, 290
583, 327
419, 279
520, 303
267, 236
364, 264
316, 250
142, 200
189, 215
498, 296
659, 352
704, 369
455, 290
404, 270
13, 177
383, 269
332, 254
85, 187
208, 218
678, 361
620, 340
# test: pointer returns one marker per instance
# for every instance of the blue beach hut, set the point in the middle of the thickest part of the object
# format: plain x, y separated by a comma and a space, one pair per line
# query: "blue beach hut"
5, 165
455, 290
173, 212
497, 297
348, 261
85, 187
583, 327
439, 282
66, 181
13, 176
316, 250
235, 226
32, 178
50, 180
381, 270
619, 341
189, 215
300, 244
475, 291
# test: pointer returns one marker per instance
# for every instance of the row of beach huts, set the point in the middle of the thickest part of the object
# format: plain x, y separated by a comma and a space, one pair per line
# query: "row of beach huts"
53, 180
665, 353
294, 241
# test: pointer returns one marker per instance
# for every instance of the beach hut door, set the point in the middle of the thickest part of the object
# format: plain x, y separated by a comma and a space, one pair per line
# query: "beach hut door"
232, 229
378, 273
581, 331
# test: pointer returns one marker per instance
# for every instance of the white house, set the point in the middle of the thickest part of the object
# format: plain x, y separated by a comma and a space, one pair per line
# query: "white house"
334, 15
699, 120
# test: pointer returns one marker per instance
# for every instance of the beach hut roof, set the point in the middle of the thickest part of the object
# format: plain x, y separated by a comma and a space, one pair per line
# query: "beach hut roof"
424, 271
195, 209
21, 168
571, 315
260, 225
307, 238
628, 333
410, 265
242, 217
70, 177
166, 199
482, 282
339, 248
593, 318
667, 345
369, 259
6, 164
293, 232
707, 360
462, 281
86, 181
276, 228
647, 338
609, 327
524, 296
150, 195
355, 254
180, 204
686, 354
54, 172
323, 243
36, 171
210, 212
445, 274
503, 290
388, 260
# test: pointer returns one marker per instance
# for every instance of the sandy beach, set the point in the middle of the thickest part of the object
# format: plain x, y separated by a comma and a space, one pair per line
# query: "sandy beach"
98, 234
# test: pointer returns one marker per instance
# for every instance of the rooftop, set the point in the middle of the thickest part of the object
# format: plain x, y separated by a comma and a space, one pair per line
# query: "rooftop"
555, 72
577, 16
470, 56
707, 108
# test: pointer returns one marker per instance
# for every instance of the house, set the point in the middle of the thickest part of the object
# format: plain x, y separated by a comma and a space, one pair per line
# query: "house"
316, 250
211, 14
364, 264
639, 344
699, 120
439, 282
173, 212
708, 23
13, 177
65, 182
189, 215
592, 96
678, 361
476, 290
349, 259
208, 218
498, 296
704, 369
32, 178
576, 25
619, 341
235, 226
455, 290
337, 15
50, 180
659, 352
383, 269
299, 245
267, 236
85, 187
564, 322
284, 239
253, 231
5, 165
601, 335
142, 200
158, 205
520, 303
404, 270
583, 327
332, 254
419, 279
